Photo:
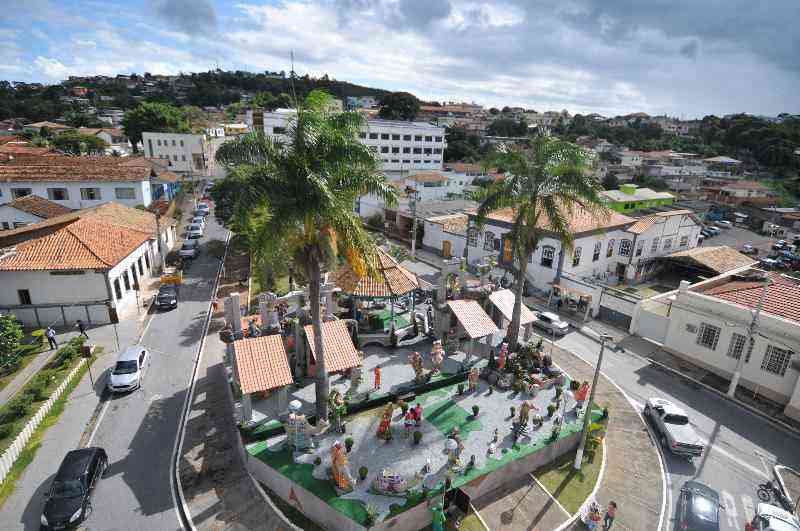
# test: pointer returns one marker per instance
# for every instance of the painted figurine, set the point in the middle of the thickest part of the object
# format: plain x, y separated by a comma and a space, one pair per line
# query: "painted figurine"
416, 363
377, 380
437, 355
473, 379
385, 427
417, 415
502, 357
339, 469
581, 395
409, 422
525, 413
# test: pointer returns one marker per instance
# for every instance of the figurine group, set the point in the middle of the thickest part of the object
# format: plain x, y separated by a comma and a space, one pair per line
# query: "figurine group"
411, 419
437, 358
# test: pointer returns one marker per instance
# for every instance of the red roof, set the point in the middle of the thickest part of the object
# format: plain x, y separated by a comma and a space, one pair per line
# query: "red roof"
261, 363
391, 280
504, 301
472, 317
38, 206
782, 298
580, 219
340, 353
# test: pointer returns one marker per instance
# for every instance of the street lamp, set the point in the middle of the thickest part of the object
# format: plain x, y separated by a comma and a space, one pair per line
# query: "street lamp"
587, 413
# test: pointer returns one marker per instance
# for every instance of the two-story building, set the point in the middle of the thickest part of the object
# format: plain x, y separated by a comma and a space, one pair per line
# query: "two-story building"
182, 153
630, 198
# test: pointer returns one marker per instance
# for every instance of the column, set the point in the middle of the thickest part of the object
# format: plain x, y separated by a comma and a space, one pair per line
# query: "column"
269, 317
233, 313
326, 292
247, 408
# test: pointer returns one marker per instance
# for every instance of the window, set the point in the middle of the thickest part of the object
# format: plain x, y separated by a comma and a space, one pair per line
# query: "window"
141, 268
6, 226
417, 151
173, 142
373, 136
16, 193
175, 158
428, 139
667, 244
437, 151
126, 281
488, 241
374, 149
384, 136
417, 161
708, 336
395, 160
684, 241
384, 149
639, 248
610, 250
181, 143
776, 359
597, 248
407, 138
418, 138
737, 346
625, 248
406, 150
395, 137
146, 261
654, 246
125, 193
57, 194
24, 296
576, 257
90, 194
406, 161
117, 289
472, 237
395, 150
362, 135
548, 253
428, 151
183, 158
438, 139
158, 142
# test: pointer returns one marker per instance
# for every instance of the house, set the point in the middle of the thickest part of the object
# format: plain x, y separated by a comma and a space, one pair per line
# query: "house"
182, 153
738, 192
709, 326
51, 127
630, 197
112, 136
80, 182
446, 235
81, 265
28, 209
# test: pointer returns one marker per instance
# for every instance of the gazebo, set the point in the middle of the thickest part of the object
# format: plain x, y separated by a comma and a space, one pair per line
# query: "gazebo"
503, 300
261, 368
475, 322
392, 281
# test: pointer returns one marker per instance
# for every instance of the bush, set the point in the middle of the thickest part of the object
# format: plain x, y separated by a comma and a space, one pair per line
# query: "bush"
348, 443
37, 389
403, 406
550, 410
513, 411
605, 413
475, 410
19, 407
375, 221
461, 388
362, 473
417, 437
574, 385
6, 430
317, 461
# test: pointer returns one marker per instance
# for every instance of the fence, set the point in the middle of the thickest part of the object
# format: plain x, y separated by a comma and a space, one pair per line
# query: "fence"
13, 452
42, 315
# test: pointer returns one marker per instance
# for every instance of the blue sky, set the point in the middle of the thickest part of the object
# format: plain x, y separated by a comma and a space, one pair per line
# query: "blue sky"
682, 57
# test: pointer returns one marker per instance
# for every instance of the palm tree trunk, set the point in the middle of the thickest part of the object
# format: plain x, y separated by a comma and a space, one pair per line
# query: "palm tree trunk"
512, 336
322, 384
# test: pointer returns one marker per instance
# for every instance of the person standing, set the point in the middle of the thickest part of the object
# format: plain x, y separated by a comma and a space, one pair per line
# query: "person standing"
377, 381
51, 338
611, 513
82, 328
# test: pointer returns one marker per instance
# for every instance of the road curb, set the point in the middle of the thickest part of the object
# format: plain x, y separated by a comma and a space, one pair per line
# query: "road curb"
789, 430
592, 495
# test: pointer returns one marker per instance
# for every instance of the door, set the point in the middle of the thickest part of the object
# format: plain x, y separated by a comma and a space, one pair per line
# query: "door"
508, 251
446, 248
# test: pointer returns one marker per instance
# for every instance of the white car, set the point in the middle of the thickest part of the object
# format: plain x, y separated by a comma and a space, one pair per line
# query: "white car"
188, 249
198, 220
725, 224
194, 232
204, 207
551, 323
768, 517
128, 373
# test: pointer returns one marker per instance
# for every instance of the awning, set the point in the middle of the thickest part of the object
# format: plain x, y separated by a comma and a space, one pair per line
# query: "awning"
340, 352
261, 363
472, 317
504, 299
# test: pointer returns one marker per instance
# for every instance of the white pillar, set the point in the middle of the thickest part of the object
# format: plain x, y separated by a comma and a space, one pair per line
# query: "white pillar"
247, 408
326, 291
233, 312
269, 317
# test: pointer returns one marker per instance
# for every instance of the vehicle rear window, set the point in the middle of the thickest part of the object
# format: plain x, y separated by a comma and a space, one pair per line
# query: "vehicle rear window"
676, 419
125, 367
187, 247
705, 508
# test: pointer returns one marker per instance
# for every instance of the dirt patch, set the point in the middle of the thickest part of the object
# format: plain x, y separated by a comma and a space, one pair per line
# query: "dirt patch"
235, 272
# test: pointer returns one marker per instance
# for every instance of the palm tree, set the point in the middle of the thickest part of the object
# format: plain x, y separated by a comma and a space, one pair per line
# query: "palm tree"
546, 184
298, 196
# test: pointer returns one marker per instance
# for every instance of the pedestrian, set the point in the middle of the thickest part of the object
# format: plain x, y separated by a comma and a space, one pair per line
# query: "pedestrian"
377, 381
611, 513
51, 338
82, 328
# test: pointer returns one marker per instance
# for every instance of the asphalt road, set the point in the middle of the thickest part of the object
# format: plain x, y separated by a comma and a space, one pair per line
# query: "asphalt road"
741, 447
138, 430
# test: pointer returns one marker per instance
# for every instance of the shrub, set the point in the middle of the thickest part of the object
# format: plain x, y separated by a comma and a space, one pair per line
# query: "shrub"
375, 221
348, 443
317, 461
605, 413
20, 406
362, 473
475, 410
513, 411
551, 408
461, 388
417, 437
574, 385
37, 389
6, 430
403, 405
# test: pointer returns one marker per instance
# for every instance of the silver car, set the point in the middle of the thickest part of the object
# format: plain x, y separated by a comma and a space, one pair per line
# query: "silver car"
129, 371
194, 232
551, 323
188, 249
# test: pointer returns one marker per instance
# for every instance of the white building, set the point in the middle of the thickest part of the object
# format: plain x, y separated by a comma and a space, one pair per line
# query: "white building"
446, 235
181, 152
27, 210
708, 326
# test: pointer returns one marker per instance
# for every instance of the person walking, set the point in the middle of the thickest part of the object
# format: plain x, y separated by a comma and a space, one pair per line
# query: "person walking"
611, 513
51, 338
82, 328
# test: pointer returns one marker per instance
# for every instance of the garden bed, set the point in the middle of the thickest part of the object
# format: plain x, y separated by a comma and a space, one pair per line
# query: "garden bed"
27, 353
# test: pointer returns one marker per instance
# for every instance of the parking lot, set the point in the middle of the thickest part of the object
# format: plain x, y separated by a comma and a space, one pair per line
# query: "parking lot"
736, 237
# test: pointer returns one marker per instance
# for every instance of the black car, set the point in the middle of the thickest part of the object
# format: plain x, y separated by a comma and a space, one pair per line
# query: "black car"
167, 297
698, 508
69, 500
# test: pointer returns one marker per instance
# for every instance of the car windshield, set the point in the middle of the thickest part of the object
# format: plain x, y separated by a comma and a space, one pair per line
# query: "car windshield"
705, 508
70, 488
187, 247
125, 367
166, 293
676, 419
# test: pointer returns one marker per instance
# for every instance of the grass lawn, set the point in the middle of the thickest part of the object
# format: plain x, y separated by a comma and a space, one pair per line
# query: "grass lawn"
569, 487
29, 352
471, 523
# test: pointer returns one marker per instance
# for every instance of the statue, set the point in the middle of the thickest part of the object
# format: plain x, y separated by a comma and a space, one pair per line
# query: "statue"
409, 422
298, 429
473, 379
339, 469
416, 363
417, 414
385, 427
437, 355
355, 379
525, 413
388, 483
581, 395
338, 409
454, 446
376, 384
502, 357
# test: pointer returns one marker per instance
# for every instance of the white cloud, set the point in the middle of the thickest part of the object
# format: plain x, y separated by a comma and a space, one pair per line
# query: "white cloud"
51, 68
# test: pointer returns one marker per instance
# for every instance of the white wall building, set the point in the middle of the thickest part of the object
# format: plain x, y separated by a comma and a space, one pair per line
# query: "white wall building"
181, 153
26, 210
446, 234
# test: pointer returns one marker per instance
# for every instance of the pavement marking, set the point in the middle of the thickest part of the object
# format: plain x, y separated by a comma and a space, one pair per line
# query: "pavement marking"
551, 496
98, 421
749, 510
730, 508
738, 461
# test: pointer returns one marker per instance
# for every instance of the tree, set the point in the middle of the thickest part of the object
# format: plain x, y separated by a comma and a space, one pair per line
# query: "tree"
303, 192
507, 127
268, 102
81, 119
545, 186
10, 337
78, 144
610, 181
153, 117
398, 106
461, 145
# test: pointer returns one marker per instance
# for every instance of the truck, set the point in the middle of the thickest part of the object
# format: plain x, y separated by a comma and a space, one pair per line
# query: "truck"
671, 424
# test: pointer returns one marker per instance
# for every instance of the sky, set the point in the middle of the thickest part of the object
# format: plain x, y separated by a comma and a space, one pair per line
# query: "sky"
685, 58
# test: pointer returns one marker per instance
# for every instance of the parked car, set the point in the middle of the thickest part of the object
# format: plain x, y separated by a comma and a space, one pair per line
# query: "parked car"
69, 499
130, 369
725, 224
770, 264
714, 230
705, 233
673, 428
167, 297
204, 205
189, 249
749, 249
780, 245
697, 508
551, 323
768, 517
201, 212
194, 232
199, 220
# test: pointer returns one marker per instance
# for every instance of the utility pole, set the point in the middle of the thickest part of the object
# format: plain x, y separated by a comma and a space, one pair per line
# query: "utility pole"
751, 332
588, 411
414, 198
161, 258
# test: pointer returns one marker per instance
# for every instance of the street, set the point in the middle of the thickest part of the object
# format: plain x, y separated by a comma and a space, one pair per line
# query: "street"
138, 430
741, 447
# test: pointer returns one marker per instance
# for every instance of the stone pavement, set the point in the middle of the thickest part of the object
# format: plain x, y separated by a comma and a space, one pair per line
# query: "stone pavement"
523, 504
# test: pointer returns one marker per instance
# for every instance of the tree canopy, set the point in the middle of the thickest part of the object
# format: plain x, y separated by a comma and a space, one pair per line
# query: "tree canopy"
153, 117
78, 144
507, 127
398, 106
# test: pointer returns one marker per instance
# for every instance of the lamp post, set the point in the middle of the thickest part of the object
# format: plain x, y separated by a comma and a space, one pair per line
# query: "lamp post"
414, 198
588, 411
751, 331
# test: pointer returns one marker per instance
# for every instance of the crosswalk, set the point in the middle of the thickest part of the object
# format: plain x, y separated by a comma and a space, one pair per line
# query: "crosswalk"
738, 509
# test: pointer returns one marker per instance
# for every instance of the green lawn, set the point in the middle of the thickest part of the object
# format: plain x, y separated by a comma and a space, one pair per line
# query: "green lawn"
29, 352
569, 487
446, 415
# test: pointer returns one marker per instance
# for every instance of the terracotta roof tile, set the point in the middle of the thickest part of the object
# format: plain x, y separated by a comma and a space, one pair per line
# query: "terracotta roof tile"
427, 177
63, 168
472, 317
392, 280
717, 259
38, 206
13, 148
782, 298
452, 223
340, 352
642, 225
581, 220
504, 301
261, 363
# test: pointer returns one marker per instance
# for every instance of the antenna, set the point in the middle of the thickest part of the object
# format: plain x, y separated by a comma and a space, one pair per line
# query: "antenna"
291, 79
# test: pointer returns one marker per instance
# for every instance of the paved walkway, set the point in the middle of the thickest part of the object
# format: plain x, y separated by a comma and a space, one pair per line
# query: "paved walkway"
524, 504
23, 376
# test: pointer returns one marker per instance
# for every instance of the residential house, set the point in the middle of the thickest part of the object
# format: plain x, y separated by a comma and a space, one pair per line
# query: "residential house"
52, 127
27, 210
738, 192
446, 235
112, 136
183, 153
630, 198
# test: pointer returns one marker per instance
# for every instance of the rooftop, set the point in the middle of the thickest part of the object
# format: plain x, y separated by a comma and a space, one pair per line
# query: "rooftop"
722, 160
261, 363
782, 298
63, 168
49, 125
504, 301
340, 353
646, 222
635, 194
475, 321
452, 223
716, 259
38, 206
391, 279
428, 177
746, 185
580, 219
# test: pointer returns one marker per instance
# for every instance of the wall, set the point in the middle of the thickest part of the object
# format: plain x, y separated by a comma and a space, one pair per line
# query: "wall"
10, 215
107, 192
179, 158
434, 236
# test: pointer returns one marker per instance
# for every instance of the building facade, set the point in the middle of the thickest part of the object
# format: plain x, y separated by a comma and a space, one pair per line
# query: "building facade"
630, 198
181, 153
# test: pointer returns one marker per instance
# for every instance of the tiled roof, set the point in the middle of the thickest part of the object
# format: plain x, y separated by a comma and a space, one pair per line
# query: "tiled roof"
452, 223
261, 363
717, 259
581, 220
724, 160
85, 244
746, 185
15, 148
427, 177
642, 225
504, 301
392, 279
782, 298
472, 317
49, 125
103, 169
38, 206
340, 352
